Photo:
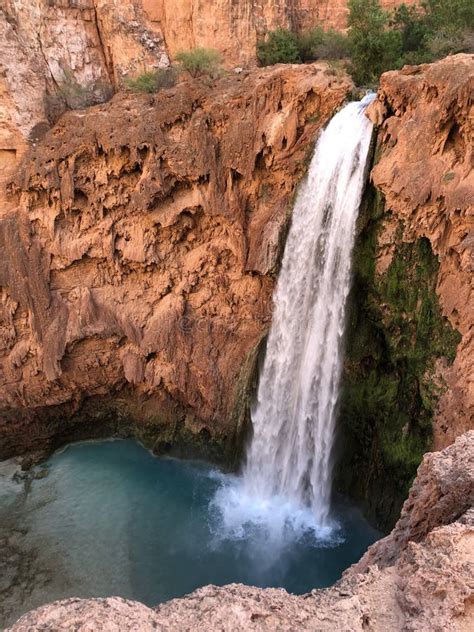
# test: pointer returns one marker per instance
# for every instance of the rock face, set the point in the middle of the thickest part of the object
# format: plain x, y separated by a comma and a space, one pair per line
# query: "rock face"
139, 245
425, 173
71, 53
56, 53
420, 578
407, 383
234, 28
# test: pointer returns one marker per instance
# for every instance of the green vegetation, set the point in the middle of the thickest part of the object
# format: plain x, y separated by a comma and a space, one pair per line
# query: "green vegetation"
284, 47
152, 81
379, 40
374, 47
200, 62
280, 47
396, 332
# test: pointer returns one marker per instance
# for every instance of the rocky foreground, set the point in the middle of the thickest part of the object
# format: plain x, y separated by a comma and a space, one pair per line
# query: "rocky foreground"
419, 578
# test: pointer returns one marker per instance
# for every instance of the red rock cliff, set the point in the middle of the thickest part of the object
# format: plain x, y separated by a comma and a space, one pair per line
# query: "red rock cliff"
81, 50
425, 173
138, 249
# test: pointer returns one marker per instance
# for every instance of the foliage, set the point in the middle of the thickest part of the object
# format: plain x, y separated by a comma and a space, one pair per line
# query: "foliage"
200, 61
152, 81
280, 47
381, 41
78, 96
328, 44
374, 47
451, 15
284, 47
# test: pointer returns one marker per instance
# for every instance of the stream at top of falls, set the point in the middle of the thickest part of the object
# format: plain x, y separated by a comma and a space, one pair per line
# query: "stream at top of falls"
111, 519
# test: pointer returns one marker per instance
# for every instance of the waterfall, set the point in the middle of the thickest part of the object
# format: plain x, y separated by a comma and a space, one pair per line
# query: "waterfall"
287, 476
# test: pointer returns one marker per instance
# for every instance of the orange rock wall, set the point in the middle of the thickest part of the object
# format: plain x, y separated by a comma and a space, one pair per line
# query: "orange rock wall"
139, 244
426, 175
234, 27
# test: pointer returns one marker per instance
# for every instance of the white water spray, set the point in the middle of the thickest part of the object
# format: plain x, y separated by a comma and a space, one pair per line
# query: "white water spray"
287, 478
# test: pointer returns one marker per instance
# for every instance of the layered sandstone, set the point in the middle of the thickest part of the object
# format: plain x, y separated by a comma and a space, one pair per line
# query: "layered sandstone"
425, 173
420, 578
139, 246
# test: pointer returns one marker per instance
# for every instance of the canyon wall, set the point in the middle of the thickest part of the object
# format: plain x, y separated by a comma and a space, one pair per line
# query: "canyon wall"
139, 244
234, 28
60, 54
408, 379
417, 579
425, 172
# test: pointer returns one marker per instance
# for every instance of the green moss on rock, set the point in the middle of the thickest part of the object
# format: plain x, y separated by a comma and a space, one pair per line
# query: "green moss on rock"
395, 333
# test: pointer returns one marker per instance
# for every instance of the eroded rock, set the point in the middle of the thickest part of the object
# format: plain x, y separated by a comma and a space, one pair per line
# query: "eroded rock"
425, 173
140, 243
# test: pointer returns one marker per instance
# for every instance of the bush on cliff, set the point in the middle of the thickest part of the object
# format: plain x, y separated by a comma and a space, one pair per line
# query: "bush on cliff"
200, 61
321, 44
280, 47
374, 47
284, 47
383, 41
152, 81
379, 40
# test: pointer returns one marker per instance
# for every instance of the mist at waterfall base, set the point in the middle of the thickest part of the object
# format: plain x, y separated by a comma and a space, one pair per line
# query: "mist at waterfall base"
284, 493
112, 519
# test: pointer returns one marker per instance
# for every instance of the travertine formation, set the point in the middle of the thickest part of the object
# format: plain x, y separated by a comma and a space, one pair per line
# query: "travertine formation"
139, 243
425, 173
419, 579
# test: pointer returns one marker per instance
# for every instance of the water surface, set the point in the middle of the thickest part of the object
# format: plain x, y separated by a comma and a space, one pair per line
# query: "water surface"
111, 519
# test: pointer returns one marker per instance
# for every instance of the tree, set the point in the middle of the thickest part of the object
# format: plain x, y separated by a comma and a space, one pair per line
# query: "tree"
374, 47
280, 47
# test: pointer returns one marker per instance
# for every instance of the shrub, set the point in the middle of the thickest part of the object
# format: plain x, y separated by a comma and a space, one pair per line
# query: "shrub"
445, 42
374, 47
152, 81
378, 40
280, 47
334, 45
410, 21
321, 44
200, 61
308, 44
452, 15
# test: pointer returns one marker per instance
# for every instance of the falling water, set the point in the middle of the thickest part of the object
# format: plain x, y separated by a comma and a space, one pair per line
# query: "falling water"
287, 477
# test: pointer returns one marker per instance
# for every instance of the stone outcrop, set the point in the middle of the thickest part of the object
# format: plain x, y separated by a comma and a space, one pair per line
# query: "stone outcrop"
139, 243
420, 578
66, 53
425, 174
